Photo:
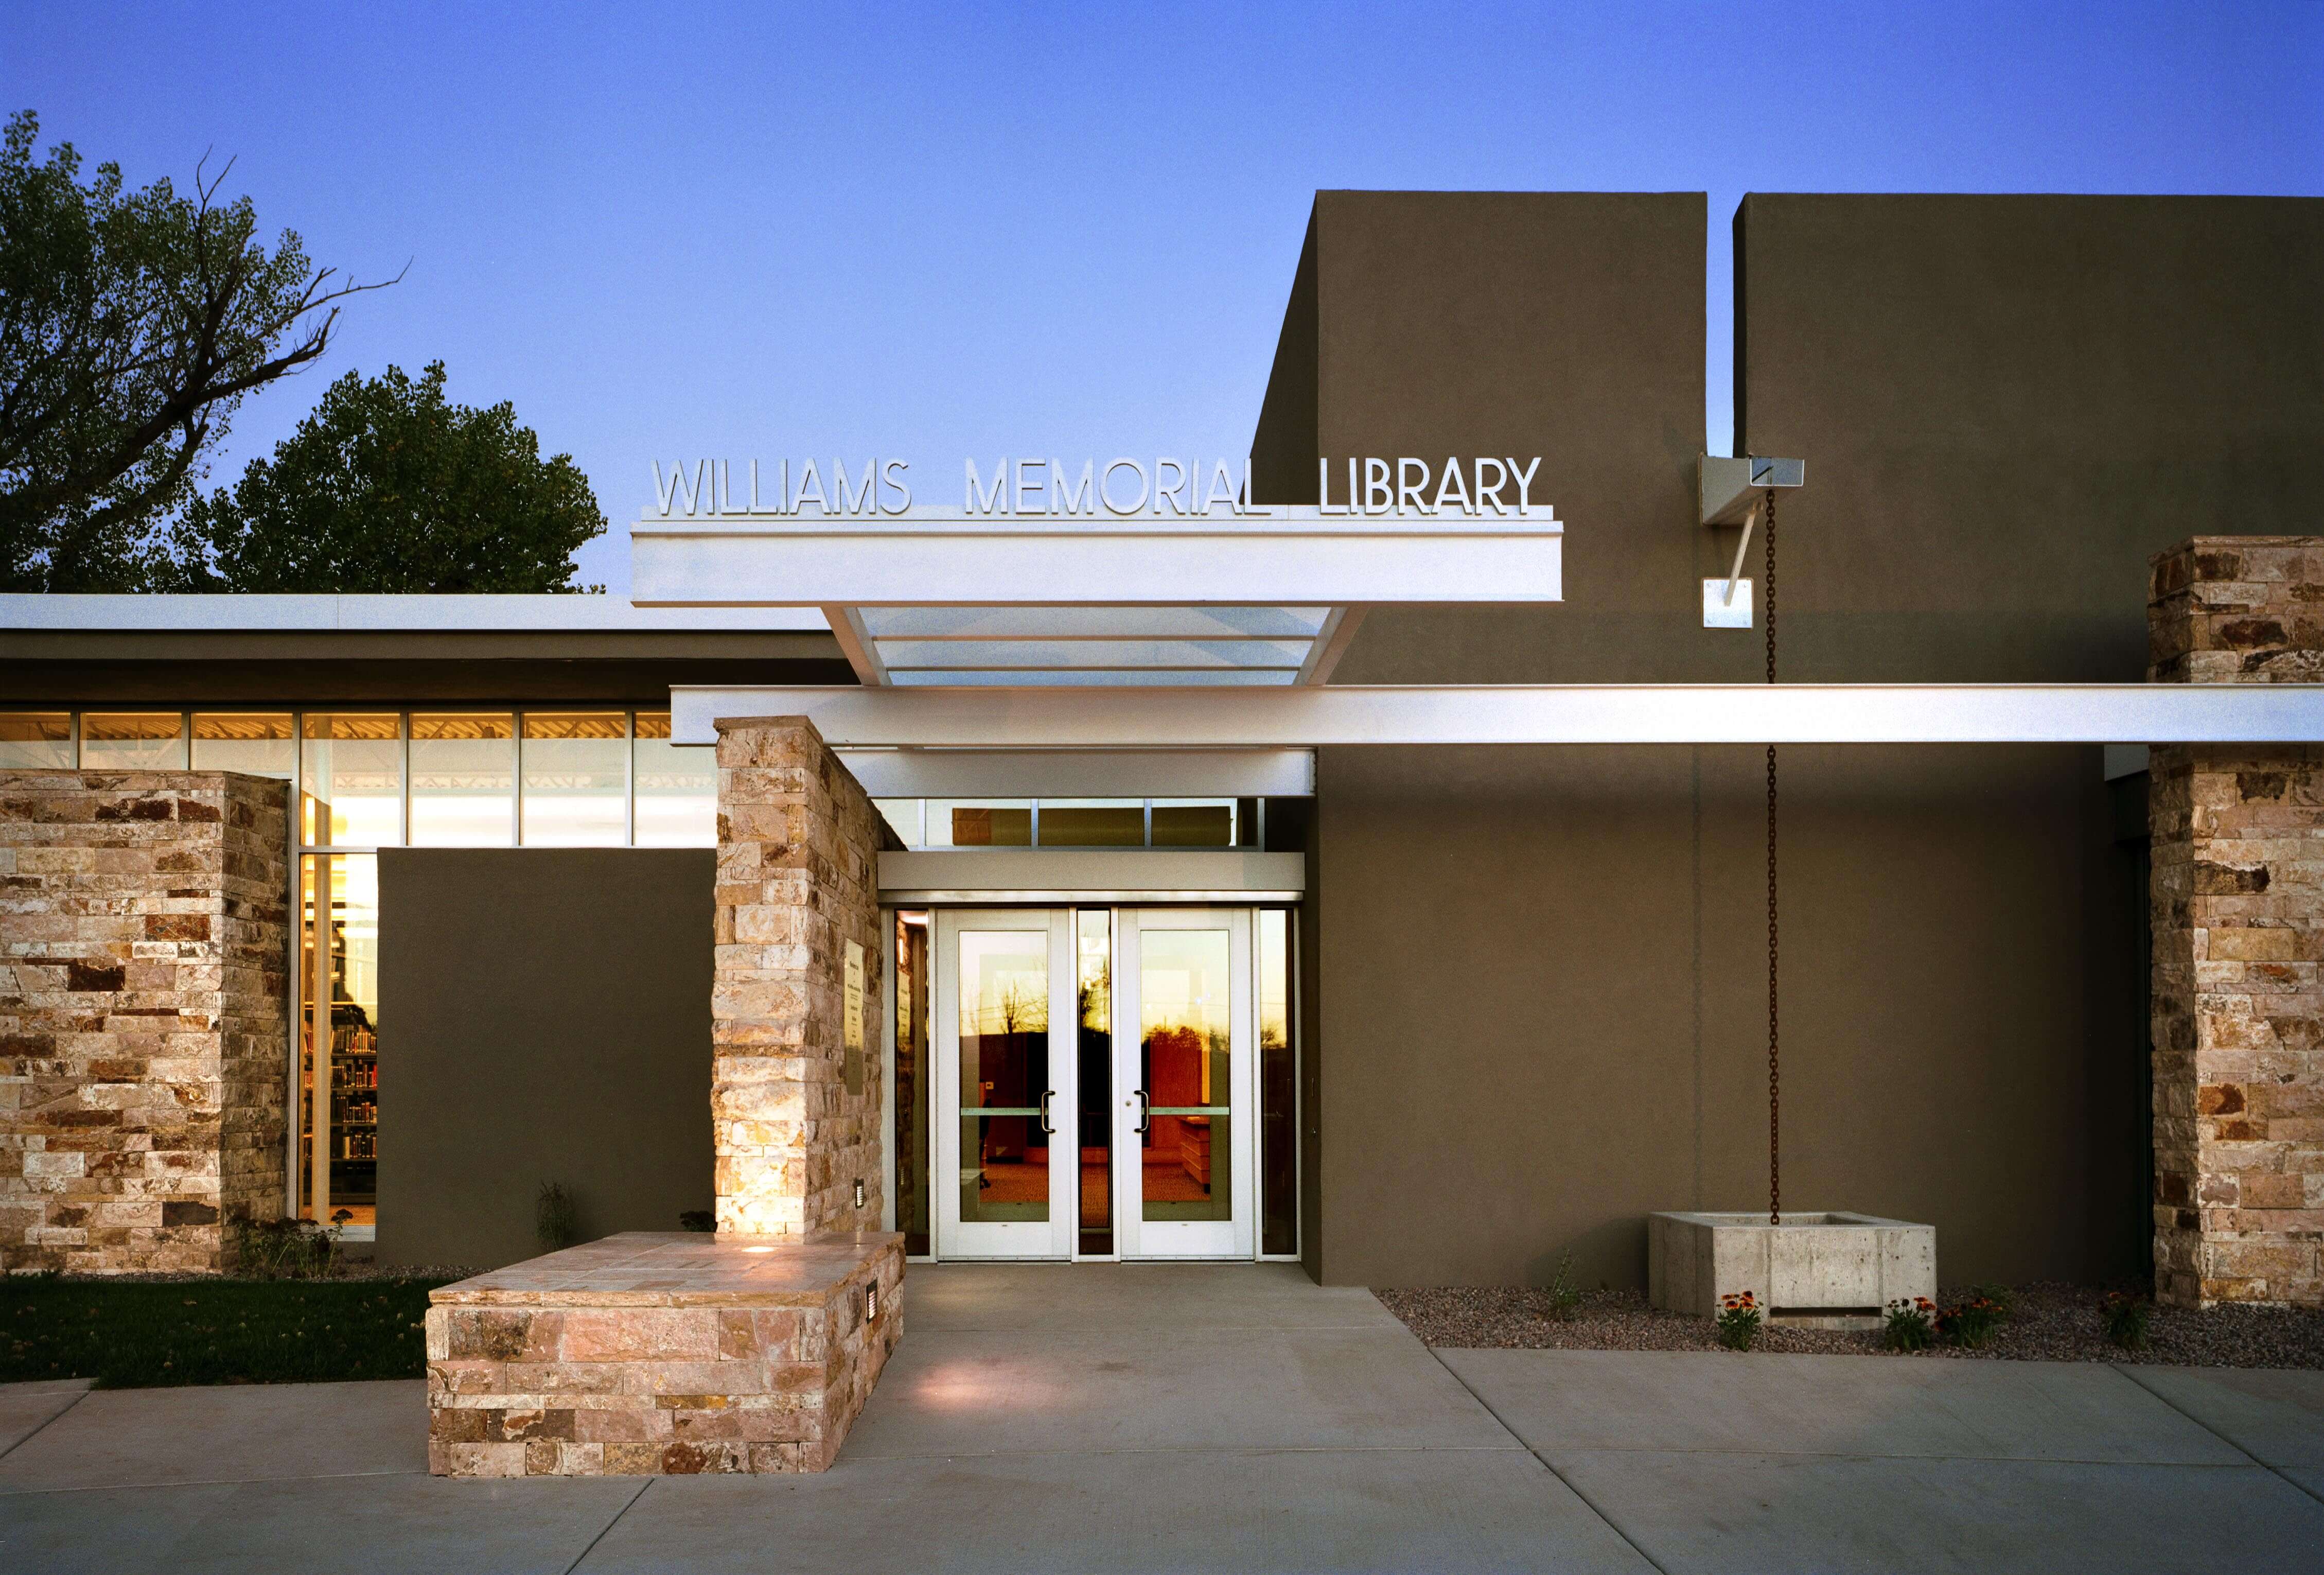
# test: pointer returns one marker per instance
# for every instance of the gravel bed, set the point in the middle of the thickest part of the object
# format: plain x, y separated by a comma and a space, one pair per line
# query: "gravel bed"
2052, 1323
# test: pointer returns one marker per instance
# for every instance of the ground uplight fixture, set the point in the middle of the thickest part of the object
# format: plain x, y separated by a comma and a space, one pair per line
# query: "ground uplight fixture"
1734, 492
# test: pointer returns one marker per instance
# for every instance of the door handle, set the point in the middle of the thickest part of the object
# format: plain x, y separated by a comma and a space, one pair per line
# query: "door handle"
1144, 1120
1047, 1095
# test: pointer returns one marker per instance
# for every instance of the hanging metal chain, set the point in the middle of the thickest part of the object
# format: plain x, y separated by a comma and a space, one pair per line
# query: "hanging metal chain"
1774, 1092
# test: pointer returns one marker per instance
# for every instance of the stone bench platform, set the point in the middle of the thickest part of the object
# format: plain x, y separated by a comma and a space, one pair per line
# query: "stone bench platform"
648, 1353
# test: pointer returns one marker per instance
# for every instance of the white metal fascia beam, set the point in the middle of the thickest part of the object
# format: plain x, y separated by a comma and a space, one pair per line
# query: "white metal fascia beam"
1331, 643
855, 642
1177, 717
205, 613
1029, 561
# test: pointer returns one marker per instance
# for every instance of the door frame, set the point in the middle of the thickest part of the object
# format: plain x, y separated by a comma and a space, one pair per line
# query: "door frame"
1235, 1237
1055, 1237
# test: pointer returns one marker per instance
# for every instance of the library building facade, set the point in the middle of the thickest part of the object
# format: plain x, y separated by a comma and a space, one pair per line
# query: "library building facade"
1360, 851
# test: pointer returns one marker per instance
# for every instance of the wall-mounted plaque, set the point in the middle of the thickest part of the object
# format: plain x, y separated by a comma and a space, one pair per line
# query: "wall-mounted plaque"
851, 1020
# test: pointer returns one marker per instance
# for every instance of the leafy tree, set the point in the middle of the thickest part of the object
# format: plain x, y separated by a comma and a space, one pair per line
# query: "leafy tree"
131, 325
388, 487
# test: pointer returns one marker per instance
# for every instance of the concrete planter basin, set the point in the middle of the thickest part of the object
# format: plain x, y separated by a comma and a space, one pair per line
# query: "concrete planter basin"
1830, 1270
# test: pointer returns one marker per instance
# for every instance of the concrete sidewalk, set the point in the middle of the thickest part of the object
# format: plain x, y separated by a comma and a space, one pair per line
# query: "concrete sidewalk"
1154, 1418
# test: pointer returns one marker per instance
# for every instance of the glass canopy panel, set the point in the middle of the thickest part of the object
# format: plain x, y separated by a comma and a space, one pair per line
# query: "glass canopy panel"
905, 655
1148, 623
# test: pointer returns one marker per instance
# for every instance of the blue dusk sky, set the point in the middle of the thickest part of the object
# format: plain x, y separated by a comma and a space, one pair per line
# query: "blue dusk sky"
931, 232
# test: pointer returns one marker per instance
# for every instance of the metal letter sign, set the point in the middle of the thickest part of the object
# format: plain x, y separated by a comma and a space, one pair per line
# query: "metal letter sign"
1189, 488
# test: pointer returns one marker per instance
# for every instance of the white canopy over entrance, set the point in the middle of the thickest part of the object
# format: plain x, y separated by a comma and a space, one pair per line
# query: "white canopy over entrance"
1022, 631
949, 599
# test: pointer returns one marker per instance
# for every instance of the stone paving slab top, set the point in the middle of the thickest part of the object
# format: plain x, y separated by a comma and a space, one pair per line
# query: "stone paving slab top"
1781, 1404
2272, 1415
1709, 1513
642, 1268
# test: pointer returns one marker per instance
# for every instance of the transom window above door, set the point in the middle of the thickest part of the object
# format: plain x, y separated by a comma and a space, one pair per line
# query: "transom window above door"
1074, 822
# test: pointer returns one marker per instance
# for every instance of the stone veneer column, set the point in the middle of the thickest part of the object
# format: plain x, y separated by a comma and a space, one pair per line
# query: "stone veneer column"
143, 1017
2238, 922
795, 1125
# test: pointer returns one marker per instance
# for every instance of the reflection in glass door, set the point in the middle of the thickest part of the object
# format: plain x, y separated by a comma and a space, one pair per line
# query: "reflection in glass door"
1006, 1057
1185, 1069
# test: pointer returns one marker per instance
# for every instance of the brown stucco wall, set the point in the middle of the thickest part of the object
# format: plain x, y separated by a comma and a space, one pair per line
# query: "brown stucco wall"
2007, 404
1565, 324
544, 1015
143, 998
1544, 1005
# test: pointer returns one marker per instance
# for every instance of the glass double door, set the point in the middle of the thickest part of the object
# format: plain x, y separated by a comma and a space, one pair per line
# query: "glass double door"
1095, 1083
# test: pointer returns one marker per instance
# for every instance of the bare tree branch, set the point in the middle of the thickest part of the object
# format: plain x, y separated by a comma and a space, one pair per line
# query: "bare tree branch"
131, 325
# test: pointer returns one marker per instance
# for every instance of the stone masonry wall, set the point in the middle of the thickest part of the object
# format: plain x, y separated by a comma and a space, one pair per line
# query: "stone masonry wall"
797, 878
2238, 925
144, 929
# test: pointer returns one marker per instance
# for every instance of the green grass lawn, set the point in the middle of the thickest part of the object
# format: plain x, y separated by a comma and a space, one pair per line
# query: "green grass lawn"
140, 1336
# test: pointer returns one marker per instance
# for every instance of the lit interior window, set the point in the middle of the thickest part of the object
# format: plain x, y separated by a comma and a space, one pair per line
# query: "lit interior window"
133, 740
577, 781
980, 823
677, 788
1093, 823
352, 779
36, 740
1193, 822
257, 743
463, 780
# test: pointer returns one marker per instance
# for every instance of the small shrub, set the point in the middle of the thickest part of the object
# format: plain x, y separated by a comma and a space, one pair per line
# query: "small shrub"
2004, 1300
1970, 1323
2126, 1314
283, 1249
700, 1220
1738, 1321
1909, 1325
556, 1222
1563, 1296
